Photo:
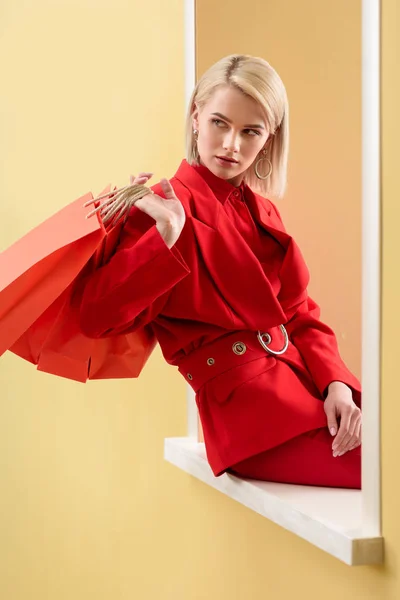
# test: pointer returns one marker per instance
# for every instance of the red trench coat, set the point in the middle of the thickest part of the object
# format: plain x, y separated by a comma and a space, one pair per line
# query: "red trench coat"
210, 284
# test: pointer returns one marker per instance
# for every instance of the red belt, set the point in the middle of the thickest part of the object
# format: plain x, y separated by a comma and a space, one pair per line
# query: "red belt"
230, 351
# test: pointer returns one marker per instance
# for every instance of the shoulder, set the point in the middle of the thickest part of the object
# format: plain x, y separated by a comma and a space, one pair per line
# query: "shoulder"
274, 209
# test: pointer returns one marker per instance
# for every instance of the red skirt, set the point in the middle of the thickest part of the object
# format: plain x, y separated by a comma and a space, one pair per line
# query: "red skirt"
306, 460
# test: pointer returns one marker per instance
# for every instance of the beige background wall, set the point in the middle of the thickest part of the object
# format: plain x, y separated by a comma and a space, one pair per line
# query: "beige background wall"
88, 507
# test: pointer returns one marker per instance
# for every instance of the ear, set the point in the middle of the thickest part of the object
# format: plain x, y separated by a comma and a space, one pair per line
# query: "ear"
195, 117
269, 140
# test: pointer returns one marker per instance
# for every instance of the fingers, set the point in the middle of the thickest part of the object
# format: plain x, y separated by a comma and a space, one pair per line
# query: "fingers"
141, 179
349, 435
342, 433
168, 189
331, 419
357, 442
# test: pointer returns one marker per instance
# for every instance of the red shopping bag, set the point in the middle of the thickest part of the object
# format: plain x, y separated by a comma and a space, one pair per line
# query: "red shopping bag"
39, 267
38, 316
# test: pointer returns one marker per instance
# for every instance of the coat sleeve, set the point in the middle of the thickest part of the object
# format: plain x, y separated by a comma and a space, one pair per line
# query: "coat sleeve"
318, 346
131, 289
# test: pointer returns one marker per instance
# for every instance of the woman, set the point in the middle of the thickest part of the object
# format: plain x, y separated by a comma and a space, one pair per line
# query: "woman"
204, 262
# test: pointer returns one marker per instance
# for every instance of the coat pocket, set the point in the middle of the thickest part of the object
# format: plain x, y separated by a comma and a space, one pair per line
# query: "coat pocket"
220, 388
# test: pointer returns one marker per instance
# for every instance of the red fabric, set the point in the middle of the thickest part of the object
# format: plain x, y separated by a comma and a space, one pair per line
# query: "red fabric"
213, 282
266, 248
305, 460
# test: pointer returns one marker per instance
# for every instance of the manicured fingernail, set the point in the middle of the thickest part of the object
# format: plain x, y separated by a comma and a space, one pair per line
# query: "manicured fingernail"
333, 431
335, 454
341, 453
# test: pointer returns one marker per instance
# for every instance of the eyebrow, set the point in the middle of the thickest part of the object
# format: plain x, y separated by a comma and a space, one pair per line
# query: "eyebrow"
217, 114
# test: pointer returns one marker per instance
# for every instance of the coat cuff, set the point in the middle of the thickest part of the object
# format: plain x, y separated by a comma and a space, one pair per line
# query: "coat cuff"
151, 278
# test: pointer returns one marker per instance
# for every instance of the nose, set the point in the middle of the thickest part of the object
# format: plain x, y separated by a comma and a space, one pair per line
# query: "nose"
231, 141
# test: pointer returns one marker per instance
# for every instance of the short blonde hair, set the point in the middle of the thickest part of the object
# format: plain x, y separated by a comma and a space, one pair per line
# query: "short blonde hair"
256, 78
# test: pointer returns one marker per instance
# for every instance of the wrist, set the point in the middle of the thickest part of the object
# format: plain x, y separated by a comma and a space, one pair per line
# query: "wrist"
165, 229
337, 385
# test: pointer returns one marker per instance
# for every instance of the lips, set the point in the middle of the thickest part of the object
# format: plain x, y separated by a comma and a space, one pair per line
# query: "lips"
227, 159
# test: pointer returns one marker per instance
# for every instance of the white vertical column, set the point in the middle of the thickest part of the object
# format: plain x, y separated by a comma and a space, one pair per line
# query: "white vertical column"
190, 81
371, 270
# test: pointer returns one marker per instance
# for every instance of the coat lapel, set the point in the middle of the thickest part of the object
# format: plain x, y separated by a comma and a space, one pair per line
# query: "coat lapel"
233, 267
294, 274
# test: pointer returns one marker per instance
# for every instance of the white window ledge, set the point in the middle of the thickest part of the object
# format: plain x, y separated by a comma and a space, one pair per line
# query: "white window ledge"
328, 518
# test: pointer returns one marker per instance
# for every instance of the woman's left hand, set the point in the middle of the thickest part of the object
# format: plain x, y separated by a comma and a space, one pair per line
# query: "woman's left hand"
339, 403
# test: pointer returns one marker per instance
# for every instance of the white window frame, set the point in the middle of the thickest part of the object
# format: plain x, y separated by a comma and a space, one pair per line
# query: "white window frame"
349, 524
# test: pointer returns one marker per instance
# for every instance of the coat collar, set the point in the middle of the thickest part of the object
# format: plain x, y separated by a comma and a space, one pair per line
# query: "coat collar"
221, 188
213, 191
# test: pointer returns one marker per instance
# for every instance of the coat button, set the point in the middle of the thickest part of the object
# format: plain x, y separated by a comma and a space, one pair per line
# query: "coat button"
236, 193
210, 361
239, 348
189, 376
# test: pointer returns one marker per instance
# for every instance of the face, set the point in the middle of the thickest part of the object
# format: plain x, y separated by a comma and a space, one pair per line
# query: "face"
231, 133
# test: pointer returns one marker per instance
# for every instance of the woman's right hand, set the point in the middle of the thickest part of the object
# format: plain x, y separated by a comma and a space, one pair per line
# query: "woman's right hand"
168, 212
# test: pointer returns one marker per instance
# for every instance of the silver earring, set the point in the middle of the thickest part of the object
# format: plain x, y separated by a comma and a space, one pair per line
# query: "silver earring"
261, 159
195, 148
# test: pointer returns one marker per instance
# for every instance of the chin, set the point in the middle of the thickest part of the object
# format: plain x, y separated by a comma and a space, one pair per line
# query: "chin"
222, 173
225, 173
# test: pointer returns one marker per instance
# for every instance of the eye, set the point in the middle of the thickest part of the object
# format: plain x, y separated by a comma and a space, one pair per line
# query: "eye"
217, 122
253, 131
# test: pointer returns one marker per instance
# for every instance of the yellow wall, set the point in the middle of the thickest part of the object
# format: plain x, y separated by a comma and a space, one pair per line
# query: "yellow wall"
91, 92
390, 293
88, 507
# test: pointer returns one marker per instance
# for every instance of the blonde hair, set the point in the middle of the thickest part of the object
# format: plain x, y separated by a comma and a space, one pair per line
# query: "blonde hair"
256, 78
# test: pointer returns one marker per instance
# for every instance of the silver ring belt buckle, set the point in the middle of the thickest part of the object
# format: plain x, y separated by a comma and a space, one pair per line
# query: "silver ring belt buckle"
264, 344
